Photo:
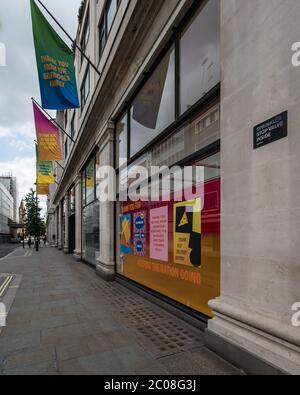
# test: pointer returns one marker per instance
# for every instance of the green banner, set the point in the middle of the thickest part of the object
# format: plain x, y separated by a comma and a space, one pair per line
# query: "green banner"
55, 63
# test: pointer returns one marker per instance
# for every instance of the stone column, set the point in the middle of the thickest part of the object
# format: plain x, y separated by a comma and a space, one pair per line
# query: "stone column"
60, 235
260, 190
106, 262
66, 211
78, 208
56, 226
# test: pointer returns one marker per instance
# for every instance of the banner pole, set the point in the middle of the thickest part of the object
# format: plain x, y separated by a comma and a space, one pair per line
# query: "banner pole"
59, 165
52, 119
70, 38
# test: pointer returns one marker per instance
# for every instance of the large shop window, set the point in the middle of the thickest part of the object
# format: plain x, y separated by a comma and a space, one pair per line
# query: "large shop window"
200, 55
154, 107
173, 247
90, 212
181, 79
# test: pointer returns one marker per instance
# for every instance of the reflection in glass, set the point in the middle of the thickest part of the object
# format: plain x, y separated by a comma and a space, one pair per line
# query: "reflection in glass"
154, 107
112, 10
200, 55
122, 135
90, 181
90, 233
196, 134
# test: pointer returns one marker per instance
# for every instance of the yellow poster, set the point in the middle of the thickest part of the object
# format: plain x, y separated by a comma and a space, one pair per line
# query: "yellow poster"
187, 233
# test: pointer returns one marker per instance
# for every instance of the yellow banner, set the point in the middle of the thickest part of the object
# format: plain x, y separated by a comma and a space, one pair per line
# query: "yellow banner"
45, 172
43, 189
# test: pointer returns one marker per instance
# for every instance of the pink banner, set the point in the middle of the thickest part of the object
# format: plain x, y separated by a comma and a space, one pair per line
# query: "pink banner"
48, 137
159, 242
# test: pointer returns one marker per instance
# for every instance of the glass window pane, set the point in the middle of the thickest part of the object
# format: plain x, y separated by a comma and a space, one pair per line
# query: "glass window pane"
90, 181
174, 247
122, 144
200, 55
90, 233
195, 135
111, 12
72, 201
154, 108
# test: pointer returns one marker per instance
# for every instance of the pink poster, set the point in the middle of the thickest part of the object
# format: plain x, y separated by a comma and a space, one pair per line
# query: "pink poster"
159, 234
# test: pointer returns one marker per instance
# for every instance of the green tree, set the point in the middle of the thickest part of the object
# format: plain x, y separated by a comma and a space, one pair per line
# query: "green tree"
81, 11
34, 224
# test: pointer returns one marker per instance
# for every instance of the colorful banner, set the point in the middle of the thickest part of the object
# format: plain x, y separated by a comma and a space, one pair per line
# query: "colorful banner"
45, 171
55, 63
139, 221
159, 224
48, 137
90, 175
187, 233
126, 233
43, 189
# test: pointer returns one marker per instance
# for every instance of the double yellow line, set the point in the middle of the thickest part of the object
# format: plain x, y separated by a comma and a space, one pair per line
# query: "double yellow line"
5, 285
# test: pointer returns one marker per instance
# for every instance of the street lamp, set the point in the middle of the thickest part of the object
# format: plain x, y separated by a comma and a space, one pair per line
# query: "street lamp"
37, 215
23, 220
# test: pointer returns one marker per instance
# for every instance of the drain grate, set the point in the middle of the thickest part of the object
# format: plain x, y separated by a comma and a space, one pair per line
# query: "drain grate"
154, 328
137, 316
166, 338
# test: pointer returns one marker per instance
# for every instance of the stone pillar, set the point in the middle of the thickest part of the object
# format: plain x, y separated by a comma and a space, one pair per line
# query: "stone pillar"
78, 207
106, 261
66, 211
60, 229
56, 226
260, 190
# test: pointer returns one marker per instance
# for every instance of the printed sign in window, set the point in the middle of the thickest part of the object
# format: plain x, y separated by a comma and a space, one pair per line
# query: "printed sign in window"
140, 233
187, 233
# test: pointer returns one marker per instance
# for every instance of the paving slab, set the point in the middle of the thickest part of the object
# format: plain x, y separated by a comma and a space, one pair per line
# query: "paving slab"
65, 320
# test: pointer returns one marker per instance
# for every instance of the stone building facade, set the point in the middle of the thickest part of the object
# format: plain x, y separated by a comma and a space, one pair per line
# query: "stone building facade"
181, 83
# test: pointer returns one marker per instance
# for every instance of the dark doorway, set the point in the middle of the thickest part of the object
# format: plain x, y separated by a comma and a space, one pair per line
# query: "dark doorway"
72, 234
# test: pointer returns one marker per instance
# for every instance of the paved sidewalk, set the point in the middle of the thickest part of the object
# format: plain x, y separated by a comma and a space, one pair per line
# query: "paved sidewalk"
66, 320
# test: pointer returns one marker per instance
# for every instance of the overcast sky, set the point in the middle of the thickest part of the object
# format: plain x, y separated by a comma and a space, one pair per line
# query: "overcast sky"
19, 82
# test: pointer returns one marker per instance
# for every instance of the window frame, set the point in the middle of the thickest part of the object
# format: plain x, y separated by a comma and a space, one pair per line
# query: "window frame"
73, 129
83, 180
66, 149
103, 31
180, 118
85, 36
83, 94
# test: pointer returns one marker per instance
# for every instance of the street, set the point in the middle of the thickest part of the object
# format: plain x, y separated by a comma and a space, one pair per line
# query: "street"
6, 249
65, 320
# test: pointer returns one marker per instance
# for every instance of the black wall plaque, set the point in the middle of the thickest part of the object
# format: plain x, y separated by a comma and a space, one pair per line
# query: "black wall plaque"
272, 130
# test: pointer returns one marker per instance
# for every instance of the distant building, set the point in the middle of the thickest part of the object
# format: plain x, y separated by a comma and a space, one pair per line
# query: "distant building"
10, 183
6, 213
22, 212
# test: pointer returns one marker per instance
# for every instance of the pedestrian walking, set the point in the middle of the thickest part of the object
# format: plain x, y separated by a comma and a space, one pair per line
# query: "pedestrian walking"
29, 242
